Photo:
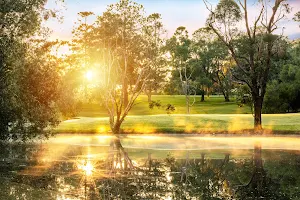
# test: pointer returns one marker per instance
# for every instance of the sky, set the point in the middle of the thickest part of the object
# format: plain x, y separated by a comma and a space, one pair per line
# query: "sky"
189, 13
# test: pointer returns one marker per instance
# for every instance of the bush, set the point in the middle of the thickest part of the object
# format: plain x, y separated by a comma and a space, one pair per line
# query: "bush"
283, 95
243, 95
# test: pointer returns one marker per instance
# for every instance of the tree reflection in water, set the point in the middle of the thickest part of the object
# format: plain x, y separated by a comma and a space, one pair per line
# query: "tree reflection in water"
260, 185
83, 173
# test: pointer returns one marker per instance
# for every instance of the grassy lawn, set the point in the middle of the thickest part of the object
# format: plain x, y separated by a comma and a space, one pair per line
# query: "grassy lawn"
212, 116
211, 105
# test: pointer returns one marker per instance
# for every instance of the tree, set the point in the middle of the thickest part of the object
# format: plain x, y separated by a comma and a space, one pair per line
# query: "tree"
260, 185
153, 34
38, 82
283, 93
80, 62
252, 51
22, 19
81, 42
27, 103
70, 88
118, 47
297, 17
212, 56
123, 20
179, 47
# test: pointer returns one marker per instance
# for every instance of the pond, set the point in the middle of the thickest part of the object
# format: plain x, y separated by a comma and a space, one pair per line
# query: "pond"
152, 167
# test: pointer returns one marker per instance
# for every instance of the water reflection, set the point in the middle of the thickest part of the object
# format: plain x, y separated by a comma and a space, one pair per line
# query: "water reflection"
56, 171
86, 166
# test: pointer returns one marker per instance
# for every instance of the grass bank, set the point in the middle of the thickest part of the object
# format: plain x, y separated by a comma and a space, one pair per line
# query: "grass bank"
182, 123
211, 116
211, 105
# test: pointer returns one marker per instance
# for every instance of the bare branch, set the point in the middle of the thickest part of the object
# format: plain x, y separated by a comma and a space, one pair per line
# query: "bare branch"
246, 17
256, 21
243, 80
272, 19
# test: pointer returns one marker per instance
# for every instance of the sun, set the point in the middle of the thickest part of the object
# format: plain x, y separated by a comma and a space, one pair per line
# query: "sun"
89, 75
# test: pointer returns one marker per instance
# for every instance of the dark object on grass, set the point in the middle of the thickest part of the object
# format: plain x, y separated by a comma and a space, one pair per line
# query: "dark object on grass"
153, 104
170, 108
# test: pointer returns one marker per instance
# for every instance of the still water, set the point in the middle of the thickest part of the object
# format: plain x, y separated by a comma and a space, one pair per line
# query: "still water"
151, 167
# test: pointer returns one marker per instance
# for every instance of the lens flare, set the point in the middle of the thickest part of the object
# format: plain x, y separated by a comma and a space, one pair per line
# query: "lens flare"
89, 75
86, 167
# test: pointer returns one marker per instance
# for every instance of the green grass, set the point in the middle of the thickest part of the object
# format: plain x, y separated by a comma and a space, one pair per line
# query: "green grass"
211, 105
196, 123
212, 116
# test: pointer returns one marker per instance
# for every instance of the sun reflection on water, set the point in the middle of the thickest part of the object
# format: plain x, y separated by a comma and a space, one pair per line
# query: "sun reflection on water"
86, 167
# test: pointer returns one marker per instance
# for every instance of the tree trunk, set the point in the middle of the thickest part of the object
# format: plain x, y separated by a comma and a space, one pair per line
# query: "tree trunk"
117, 151
257, 113
224, 91
226, 97
258, 183
149, 95
202, 97
187, 101
257, 156
202, 158
117, 142
125, 92
207, 92
117, 128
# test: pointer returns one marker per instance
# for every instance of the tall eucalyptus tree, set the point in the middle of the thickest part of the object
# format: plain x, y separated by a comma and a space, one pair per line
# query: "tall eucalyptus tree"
253, 49
123, 44
179, 48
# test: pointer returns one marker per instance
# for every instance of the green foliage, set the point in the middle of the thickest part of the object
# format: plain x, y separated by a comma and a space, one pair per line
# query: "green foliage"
153, 104
190, 73
243, 95
212, 60
179, 46
21, 19
28, 74
29, 91
283, 93
9, 112
69, 93
297, 17
253, 48
173, 86
227, 11
169, 108
124, 47
153, 32
270, 37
